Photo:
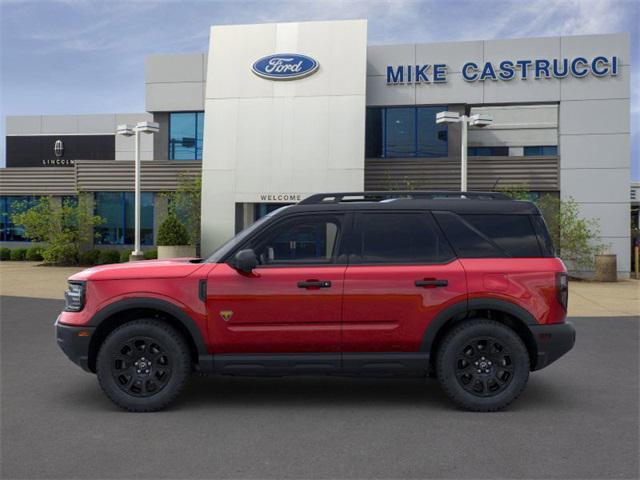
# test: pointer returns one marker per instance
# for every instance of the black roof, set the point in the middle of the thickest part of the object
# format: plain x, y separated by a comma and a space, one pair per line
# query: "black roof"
457, 202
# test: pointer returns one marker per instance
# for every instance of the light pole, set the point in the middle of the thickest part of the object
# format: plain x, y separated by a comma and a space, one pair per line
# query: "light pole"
477, 120
128, 131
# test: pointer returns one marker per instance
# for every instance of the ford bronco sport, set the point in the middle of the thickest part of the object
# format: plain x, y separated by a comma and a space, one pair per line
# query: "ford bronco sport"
462, 286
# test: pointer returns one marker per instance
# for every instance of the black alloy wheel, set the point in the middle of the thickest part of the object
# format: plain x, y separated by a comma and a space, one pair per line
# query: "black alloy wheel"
140, 366
143, 365
482, 365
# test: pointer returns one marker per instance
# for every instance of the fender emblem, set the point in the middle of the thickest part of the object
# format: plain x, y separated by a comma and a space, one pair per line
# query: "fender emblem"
226, 315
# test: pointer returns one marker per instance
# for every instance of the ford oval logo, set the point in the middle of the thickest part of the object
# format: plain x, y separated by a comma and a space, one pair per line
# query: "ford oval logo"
285, 66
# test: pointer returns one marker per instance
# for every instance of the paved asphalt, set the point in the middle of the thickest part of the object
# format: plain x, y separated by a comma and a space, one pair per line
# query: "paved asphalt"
577, 419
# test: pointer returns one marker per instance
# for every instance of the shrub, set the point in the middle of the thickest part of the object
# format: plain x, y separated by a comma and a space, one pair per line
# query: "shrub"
34, 254
18, 254
172, 232
108, 256
90, 257
63, 227
151, 254
124, 256
65, 254
5, 254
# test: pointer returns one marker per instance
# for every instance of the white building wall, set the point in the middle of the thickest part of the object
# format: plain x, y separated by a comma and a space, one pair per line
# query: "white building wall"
267, 137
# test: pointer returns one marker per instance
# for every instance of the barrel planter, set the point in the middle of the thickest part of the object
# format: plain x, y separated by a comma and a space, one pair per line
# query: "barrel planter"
176, 251
606, 268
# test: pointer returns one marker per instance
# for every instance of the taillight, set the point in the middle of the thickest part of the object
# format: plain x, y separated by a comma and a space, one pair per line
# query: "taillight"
562, 289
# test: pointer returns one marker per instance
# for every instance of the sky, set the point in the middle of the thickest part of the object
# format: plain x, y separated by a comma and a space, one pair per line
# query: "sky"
87, 56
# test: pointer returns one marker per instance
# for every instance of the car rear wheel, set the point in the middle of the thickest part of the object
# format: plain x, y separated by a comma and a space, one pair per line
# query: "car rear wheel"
143, 365
482, 365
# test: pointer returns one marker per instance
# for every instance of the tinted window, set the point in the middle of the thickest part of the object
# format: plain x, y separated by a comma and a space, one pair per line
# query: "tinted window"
541, 151
512, 233
481, 236
432, 137
543, 233
9, 232
488, 151
185, 135
400, 132
467, 242
302, 240
405, 132
117, 211
401, 238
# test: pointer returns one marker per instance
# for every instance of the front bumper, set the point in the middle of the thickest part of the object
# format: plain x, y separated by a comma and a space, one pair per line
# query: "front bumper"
74, 342
552, 341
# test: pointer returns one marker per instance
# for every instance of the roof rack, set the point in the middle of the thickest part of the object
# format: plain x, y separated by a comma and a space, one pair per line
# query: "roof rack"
338, 197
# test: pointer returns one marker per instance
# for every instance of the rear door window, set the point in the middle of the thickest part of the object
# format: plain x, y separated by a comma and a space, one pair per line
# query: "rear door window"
401, 238
488, 236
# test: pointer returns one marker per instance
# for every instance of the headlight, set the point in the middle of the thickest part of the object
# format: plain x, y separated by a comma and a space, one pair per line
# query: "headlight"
74, 296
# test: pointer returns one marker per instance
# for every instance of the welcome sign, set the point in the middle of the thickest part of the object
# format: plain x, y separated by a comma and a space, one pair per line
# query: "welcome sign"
506, 70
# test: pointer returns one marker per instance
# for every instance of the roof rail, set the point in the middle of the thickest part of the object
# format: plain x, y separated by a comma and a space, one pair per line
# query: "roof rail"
338, 197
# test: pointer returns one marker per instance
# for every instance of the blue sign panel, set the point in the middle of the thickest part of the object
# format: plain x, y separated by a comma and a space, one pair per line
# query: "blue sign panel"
578, 67
285, 66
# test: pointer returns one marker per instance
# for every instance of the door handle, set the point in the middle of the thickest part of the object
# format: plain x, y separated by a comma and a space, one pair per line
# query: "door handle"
431, 283
312, 284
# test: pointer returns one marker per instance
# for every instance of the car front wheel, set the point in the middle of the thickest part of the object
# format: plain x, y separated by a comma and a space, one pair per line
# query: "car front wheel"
143, 365
482, 365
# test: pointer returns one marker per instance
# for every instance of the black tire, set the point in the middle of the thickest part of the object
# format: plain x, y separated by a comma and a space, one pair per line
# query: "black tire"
482, 365
143, 365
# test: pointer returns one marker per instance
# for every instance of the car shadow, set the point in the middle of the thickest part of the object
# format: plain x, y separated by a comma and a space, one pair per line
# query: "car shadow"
320, 391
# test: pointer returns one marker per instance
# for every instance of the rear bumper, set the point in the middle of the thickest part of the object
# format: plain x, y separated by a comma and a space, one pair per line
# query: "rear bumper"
552, 341
74, 342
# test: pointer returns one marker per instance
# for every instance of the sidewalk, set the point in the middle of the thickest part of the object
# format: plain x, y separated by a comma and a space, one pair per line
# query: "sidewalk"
586, 299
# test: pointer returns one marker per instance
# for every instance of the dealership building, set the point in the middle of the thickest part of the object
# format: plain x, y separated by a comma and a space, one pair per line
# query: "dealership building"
275, 112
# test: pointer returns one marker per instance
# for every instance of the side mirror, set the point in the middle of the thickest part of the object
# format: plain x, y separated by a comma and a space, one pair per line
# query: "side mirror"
245, 260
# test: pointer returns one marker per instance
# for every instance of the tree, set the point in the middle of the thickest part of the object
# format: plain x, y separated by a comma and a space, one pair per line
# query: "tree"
577, 239
184, 203
65, 228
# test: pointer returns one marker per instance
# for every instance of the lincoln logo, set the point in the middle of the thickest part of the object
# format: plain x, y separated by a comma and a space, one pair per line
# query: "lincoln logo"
285, 66
58, 148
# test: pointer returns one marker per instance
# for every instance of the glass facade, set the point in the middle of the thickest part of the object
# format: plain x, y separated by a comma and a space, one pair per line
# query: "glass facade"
9, 232
117, 209
185, 135
405, 132
541, 151
488, 151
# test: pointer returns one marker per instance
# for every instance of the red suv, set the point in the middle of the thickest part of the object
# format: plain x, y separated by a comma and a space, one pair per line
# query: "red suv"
463, 286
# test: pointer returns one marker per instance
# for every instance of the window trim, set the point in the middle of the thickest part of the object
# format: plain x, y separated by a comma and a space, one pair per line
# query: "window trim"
355, 257
344, 229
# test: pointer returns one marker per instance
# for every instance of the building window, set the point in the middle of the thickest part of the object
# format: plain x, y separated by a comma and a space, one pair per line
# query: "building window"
405, 132
541, 151
488, 151
117, 209
9, 232
185, 135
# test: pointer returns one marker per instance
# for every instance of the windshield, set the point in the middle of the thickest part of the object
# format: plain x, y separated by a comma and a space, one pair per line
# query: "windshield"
227, 247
